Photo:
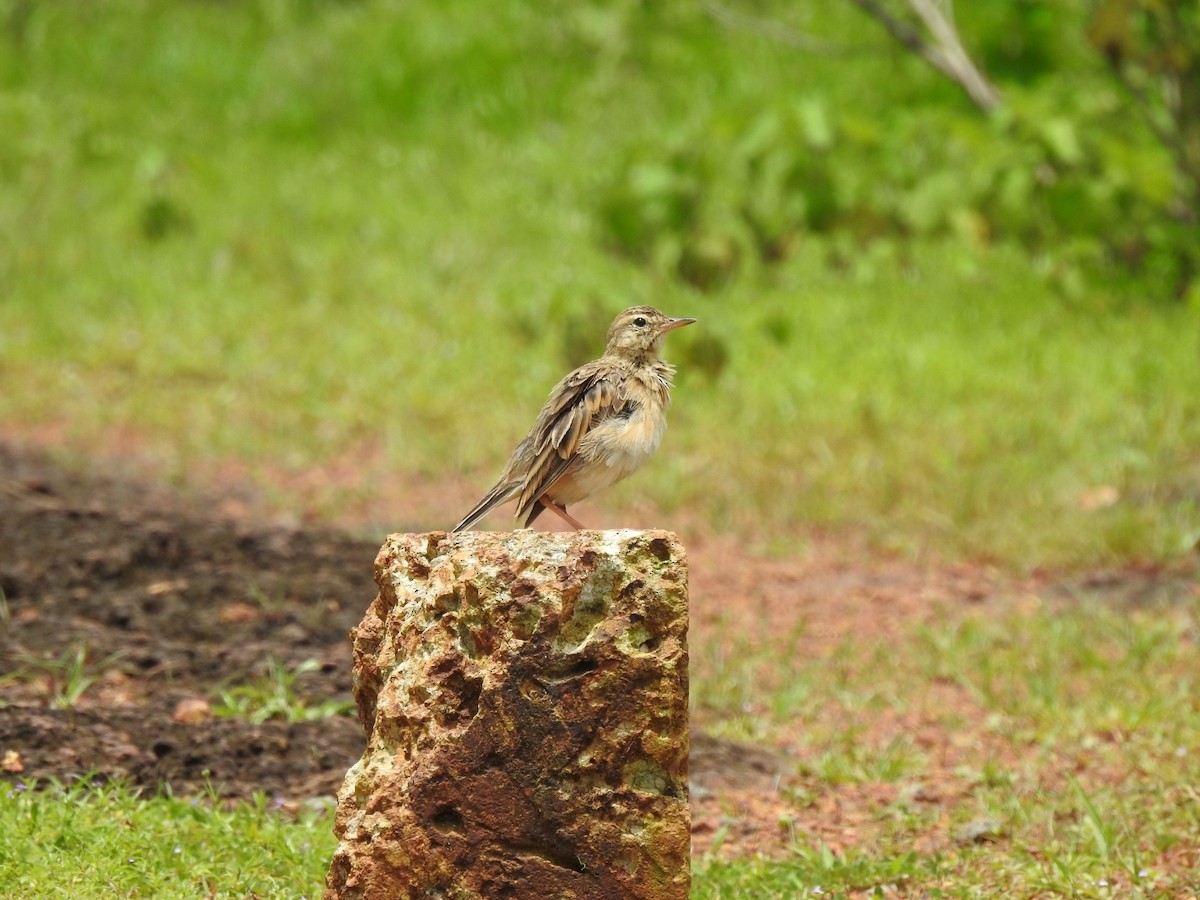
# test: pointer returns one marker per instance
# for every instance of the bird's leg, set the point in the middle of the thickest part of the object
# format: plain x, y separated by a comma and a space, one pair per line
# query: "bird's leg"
561, 512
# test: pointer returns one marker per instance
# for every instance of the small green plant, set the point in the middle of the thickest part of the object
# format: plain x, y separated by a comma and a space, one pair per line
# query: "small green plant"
69, 675
1101, 831
274, 695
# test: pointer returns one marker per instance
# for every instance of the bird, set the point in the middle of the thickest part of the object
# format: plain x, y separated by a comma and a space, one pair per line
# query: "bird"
600, 423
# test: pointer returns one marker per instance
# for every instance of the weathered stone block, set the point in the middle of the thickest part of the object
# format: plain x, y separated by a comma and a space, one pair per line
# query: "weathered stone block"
525, 700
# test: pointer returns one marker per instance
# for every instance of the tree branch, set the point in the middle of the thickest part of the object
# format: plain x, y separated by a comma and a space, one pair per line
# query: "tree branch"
959, 65
902, 31
946, 53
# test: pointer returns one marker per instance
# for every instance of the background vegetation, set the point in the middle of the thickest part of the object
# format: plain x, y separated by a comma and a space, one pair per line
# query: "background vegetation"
285, 230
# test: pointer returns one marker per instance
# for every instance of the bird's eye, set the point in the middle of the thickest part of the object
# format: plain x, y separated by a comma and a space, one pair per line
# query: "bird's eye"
640, 321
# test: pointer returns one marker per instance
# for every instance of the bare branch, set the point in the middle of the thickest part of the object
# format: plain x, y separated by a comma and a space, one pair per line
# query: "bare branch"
902, 31
946, 53
958, 65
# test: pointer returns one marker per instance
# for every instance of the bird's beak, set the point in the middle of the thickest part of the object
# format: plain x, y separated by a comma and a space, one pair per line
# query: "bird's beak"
672, 324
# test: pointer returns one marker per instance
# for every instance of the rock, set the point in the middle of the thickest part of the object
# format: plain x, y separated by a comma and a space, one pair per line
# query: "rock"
12, 762
525, 701
191, 711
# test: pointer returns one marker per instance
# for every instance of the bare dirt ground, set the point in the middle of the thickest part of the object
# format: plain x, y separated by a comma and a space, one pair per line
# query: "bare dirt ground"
169, 601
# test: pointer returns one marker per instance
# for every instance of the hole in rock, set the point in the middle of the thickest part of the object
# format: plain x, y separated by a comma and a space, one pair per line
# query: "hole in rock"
562, 857
492, 761
573, 670
459, 697
661, 549
447, 818
631, 589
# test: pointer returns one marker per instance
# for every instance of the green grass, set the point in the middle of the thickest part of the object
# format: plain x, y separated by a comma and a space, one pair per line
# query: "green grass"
66, 678
283, 231
1073, 727
276, 695
1067, 732
810, 873
104, 841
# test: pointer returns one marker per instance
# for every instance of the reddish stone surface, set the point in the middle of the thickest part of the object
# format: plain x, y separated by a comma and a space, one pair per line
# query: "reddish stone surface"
525, 700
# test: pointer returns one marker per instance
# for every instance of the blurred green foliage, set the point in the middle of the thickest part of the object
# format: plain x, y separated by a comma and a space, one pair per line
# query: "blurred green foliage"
1060, 172
1152, 47
295, 231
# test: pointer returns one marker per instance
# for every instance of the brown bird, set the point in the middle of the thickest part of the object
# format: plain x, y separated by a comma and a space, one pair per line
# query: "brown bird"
599, 425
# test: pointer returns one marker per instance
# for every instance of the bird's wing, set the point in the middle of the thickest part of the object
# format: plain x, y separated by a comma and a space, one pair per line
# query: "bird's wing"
586, 397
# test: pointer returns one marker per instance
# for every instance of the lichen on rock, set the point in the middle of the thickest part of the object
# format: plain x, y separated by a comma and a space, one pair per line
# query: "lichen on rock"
524, 696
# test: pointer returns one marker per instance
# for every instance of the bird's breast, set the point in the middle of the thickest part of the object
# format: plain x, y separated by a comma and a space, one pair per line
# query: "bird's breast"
617, 447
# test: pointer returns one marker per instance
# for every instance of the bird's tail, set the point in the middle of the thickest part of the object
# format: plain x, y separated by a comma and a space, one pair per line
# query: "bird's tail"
501, 493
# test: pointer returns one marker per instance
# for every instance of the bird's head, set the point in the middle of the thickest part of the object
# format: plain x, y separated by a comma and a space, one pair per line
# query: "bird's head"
639, 331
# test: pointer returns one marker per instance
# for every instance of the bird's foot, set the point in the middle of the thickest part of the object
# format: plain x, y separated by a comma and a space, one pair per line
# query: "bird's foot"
561, 512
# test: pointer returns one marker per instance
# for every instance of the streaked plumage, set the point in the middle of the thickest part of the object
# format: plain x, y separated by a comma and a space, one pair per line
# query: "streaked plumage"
599, 425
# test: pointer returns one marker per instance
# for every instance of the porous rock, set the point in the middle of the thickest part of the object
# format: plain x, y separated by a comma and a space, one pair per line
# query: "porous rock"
525, 700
